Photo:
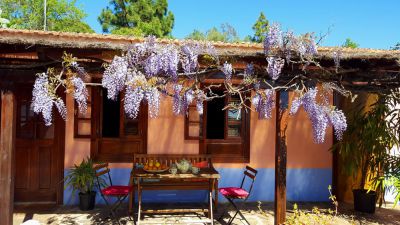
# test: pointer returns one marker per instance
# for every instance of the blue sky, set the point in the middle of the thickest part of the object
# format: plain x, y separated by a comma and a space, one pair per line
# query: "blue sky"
371, 23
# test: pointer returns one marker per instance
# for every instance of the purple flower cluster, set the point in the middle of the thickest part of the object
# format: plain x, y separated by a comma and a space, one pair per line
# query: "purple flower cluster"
80, 94
190, 57
61, 108
249, 71
80, 71
227, 70
133, 97
42, 100
273, 39
321, 116
337, 55
263, 103
275, 66
114, 77
311, 46
200, 98
153, 99
177, 100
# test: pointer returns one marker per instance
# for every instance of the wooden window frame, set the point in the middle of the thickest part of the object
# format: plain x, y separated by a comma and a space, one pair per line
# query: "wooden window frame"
243, 152
77, 118
117, 148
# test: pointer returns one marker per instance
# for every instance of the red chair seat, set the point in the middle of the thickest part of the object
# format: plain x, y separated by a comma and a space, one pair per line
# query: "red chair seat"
233, 192
117, 190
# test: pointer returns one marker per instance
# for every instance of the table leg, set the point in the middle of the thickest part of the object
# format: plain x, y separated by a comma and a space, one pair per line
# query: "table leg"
131, 195
210, 212
216, 194
139, 190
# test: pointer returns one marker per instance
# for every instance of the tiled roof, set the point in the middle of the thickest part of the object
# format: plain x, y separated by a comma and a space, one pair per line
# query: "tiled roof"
117, 42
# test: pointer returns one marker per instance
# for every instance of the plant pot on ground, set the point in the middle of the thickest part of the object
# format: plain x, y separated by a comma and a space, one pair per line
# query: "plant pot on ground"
82, 178
364, 200
363, 151
87, 200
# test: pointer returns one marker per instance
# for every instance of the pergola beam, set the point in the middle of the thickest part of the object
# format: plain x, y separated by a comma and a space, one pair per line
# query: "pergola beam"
7, 157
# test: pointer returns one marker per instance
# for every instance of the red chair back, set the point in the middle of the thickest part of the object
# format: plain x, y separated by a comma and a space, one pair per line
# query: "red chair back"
249, 173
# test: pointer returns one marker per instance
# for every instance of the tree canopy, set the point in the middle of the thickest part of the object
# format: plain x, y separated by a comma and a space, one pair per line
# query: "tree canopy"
396, 46
260, 28
61, 15
226, 33
350, 44
137, 17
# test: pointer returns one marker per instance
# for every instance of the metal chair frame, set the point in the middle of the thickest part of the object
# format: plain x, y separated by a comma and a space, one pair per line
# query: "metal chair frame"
103, 169
250, 173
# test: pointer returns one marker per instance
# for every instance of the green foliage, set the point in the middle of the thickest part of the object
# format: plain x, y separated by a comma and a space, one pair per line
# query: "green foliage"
350, 44
396, 46
388, 180
367, 141
316, 216
226, 33
62, 15
3, 21
260, 28
137, 18
82, 177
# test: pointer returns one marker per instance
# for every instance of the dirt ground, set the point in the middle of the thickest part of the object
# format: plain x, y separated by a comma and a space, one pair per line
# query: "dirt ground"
256, 214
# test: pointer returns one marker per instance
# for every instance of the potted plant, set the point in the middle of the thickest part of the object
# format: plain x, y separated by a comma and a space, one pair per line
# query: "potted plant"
363, 150
82, 178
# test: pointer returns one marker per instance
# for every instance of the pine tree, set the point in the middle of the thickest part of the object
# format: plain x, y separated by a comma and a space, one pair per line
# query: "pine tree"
260, 28
137, 17
350, 44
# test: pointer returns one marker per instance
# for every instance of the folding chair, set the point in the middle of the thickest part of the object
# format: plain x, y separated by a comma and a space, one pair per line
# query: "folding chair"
117, 191
233, 194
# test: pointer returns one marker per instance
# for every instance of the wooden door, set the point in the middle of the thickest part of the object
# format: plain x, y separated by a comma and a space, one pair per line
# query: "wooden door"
39, 154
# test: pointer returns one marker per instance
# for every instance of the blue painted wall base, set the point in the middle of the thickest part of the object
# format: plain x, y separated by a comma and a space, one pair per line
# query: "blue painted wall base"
302, 185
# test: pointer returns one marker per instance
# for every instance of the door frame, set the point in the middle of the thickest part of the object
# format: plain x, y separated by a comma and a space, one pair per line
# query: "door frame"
59, 138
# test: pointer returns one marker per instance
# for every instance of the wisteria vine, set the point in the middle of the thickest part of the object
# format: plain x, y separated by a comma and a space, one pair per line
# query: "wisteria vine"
149, 70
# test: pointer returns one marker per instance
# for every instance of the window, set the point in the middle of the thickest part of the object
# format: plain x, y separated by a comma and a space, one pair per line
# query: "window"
223, 133
114, 137
82, 123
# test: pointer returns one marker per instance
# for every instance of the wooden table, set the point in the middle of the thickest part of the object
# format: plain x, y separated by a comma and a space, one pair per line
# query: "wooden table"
167, 181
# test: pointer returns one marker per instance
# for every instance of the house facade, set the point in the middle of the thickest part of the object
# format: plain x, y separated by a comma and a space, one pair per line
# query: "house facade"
45, 154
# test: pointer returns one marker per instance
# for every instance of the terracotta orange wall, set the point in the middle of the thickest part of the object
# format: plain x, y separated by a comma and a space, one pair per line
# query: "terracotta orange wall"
166, 136
166, 133
302, 151
76, 149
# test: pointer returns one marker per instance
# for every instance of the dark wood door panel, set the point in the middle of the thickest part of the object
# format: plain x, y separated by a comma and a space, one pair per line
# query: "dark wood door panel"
39, 154
22, 167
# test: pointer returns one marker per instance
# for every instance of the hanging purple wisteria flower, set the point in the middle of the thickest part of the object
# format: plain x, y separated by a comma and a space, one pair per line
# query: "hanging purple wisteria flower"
152, 97
169, 62
133, 97
189, 58
263, 103
80, 94
275, 66
177, 100
114, 77
337, 55
80, 71
249, 71
273, 39
321, 116
42, 101
200, 98
227, 70
62, 109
